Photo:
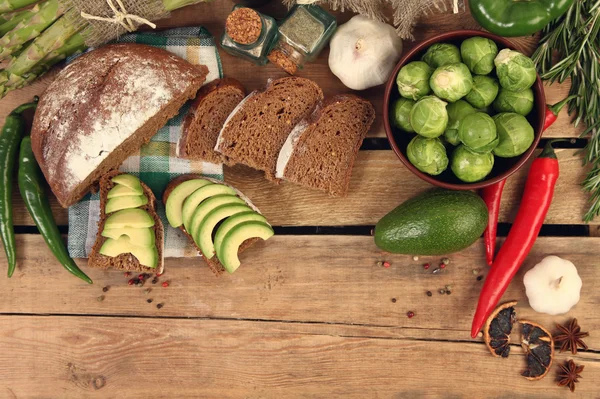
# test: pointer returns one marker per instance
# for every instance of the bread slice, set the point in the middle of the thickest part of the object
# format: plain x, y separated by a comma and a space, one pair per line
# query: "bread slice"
256, 130
214, 264
126, 262
102, 108
320, 152
207, 115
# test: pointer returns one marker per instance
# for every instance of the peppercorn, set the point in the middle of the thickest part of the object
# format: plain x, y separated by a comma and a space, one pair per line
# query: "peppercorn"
155, 280
442, 266
149, 300
160, 305
426, 266
479, 278
165, 284
410, 314
141, 276
393, 300
429, 293
386, 264
442, 291
131, 281
448, 292
105, 289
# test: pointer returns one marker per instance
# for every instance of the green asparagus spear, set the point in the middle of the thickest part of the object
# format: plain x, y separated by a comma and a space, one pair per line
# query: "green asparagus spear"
9, 5
43, 16
13, 19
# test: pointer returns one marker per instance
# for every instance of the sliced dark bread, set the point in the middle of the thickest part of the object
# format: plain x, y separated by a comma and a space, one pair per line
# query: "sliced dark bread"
321, 150
214, 264
256, 130
126, 262
207, 115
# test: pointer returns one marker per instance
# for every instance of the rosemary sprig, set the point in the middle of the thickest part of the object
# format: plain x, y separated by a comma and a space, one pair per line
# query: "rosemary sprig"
576, 38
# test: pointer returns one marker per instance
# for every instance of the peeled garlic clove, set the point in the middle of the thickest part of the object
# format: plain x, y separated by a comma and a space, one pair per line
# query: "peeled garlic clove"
552, 286
363, 52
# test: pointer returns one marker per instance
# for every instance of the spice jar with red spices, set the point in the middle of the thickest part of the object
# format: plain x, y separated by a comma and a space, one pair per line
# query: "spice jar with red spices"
249, 34
302, 36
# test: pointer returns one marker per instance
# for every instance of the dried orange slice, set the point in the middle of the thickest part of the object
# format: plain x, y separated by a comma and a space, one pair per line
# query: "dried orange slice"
498, 328
538, 345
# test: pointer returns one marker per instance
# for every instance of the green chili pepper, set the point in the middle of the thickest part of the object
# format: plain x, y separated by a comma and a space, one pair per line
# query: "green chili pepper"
32, 190
10, 138
517, 17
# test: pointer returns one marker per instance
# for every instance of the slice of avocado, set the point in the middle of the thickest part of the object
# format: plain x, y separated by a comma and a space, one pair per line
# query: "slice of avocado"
147, 256
129, 181
233, 221
236, 236
174, 204
124, 191
140, 237
207, 225
135, 217
118, 203
192, 202
207, 206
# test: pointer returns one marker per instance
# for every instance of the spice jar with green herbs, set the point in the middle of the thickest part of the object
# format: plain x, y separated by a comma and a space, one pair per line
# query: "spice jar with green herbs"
249, 34
302, 36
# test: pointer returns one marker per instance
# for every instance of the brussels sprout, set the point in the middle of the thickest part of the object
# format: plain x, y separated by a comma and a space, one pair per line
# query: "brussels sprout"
479, 53
515, 71
469, 166
520, 102
456, 112
515, 134
413, 80
400, 111
478, 132
451, 82
428, 155
428, 117
441, 54
484, 91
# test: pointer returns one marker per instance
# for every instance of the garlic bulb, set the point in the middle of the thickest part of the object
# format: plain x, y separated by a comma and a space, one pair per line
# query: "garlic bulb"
363, 52
552, 286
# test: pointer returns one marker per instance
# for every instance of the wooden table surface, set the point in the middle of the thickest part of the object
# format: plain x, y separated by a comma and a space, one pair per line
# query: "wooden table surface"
310, 314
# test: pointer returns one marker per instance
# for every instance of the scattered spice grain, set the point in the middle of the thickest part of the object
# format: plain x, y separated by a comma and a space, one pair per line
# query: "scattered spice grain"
149, 300
159, 306
415, 258
410, 314
426, 266
127, 274
479, 278
436, 270
100, 298
442, 291
105, 289
386, 264
155, 280
429, 293
393, 300
445, 261
165, 284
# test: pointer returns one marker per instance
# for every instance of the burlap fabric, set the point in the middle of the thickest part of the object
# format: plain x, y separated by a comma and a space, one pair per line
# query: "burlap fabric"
100, 32
406, 13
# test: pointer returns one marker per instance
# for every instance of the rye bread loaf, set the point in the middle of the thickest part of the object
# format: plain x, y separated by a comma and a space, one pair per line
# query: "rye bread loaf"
126, 262
256, 130
102, 108
321, 150
214, 264
207, 115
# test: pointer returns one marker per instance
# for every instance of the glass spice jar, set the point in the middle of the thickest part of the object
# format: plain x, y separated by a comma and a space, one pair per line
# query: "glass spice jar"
302, 36
249, 34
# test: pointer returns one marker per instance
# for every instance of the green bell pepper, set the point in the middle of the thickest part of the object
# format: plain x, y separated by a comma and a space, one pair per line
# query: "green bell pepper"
516, 17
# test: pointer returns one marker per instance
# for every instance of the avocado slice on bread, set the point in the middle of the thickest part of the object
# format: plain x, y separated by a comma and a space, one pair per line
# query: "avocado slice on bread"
214, 210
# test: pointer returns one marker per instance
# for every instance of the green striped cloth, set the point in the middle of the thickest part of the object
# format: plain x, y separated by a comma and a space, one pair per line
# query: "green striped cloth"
156, 164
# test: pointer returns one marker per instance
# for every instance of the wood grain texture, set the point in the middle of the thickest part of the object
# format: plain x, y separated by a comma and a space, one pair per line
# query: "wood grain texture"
325, 279
379, 183
97, 357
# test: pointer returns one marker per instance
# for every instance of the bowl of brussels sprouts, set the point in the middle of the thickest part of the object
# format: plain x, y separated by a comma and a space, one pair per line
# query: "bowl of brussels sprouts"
464, 109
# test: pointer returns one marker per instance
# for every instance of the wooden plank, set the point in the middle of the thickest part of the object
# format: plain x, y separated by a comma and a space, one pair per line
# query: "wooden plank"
254, 77
93, 357
325, 279
379, 183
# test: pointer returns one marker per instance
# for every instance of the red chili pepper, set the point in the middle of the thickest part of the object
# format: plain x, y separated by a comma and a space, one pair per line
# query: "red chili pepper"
535, 203
492, 195
553, 110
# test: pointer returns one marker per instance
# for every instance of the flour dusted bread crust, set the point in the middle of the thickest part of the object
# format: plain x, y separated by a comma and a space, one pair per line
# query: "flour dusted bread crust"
256, 130
102, 108
126, 262
213, 264
320, 152
207, 115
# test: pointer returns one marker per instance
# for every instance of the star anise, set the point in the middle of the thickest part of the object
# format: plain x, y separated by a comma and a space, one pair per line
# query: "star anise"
568, 374
570, 337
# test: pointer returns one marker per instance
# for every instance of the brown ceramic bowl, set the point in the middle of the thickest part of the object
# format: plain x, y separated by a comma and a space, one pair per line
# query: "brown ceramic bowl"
503, 167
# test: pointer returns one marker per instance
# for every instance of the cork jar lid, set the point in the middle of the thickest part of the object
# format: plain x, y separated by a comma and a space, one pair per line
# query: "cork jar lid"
243, 25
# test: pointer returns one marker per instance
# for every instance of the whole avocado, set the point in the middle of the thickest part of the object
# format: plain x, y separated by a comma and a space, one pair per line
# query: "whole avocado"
437, 222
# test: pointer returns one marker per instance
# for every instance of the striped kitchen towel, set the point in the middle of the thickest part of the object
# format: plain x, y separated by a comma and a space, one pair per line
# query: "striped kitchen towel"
157, 163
